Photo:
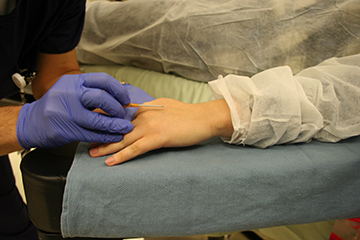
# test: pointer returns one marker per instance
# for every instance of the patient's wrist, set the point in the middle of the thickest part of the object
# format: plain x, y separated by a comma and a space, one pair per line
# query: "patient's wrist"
221, 118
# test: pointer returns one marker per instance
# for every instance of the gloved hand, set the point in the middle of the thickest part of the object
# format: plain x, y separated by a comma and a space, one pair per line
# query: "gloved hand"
61, 115
137, 95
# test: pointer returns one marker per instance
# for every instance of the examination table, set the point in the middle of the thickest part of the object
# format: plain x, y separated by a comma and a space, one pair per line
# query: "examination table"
195, 190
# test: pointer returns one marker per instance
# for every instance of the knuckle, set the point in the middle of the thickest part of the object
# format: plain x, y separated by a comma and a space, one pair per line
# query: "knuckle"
134, 149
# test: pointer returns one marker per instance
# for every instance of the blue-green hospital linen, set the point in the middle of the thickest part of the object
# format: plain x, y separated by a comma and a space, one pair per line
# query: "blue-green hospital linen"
211, 187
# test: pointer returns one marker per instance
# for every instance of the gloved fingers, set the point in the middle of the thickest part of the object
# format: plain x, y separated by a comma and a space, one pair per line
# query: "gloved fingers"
96, 98
107, 83
129, 113
98, 136
97, 121
137, 95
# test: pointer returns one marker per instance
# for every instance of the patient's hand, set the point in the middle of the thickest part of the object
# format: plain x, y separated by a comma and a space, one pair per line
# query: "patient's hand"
176, 125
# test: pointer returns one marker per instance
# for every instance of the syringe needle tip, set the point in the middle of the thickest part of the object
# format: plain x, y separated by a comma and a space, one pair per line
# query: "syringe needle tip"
150, 105
142, 105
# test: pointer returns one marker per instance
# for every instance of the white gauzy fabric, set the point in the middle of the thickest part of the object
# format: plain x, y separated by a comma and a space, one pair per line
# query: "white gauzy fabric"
275, 107
202, 39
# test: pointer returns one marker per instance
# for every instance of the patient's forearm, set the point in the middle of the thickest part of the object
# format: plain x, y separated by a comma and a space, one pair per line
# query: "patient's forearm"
8, 137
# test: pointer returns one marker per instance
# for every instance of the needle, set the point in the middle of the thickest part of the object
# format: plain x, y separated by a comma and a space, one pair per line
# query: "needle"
141, 105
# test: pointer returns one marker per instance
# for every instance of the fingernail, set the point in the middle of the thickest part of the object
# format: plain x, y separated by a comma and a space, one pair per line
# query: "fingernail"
110, 160
93, 151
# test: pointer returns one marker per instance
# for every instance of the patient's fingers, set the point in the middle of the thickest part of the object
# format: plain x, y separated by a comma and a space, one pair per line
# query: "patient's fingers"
94, 145
139, 147
99, 150
105, 149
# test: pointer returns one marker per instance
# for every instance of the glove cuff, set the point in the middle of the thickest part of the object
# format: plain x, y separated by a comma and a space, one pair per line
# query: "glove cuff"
21, 127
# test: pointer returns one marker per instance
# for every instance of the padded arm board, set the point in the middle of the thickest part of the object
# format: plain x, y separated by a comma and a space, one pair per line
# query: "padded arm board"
211, 187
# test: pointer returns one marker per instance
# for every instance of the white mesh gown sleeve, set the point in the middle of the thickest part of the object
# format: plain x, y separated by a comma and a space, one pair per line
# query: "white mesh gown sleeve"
275, 107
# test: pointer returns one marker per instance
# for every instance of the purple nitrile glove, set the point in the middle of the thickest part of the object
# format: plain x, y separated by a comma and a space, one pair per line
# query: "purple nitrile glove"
61, 115
137, 95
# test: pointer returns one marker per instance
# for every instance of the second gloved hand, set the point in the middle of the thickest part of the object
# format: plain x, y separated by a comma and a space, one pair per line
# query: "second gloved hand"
137, 95
61, 116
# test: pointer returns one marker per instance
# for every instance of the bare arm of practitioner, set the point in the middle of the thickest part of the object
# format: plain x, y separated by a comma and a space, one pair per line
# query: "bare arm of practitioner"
178, 124
51, 67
